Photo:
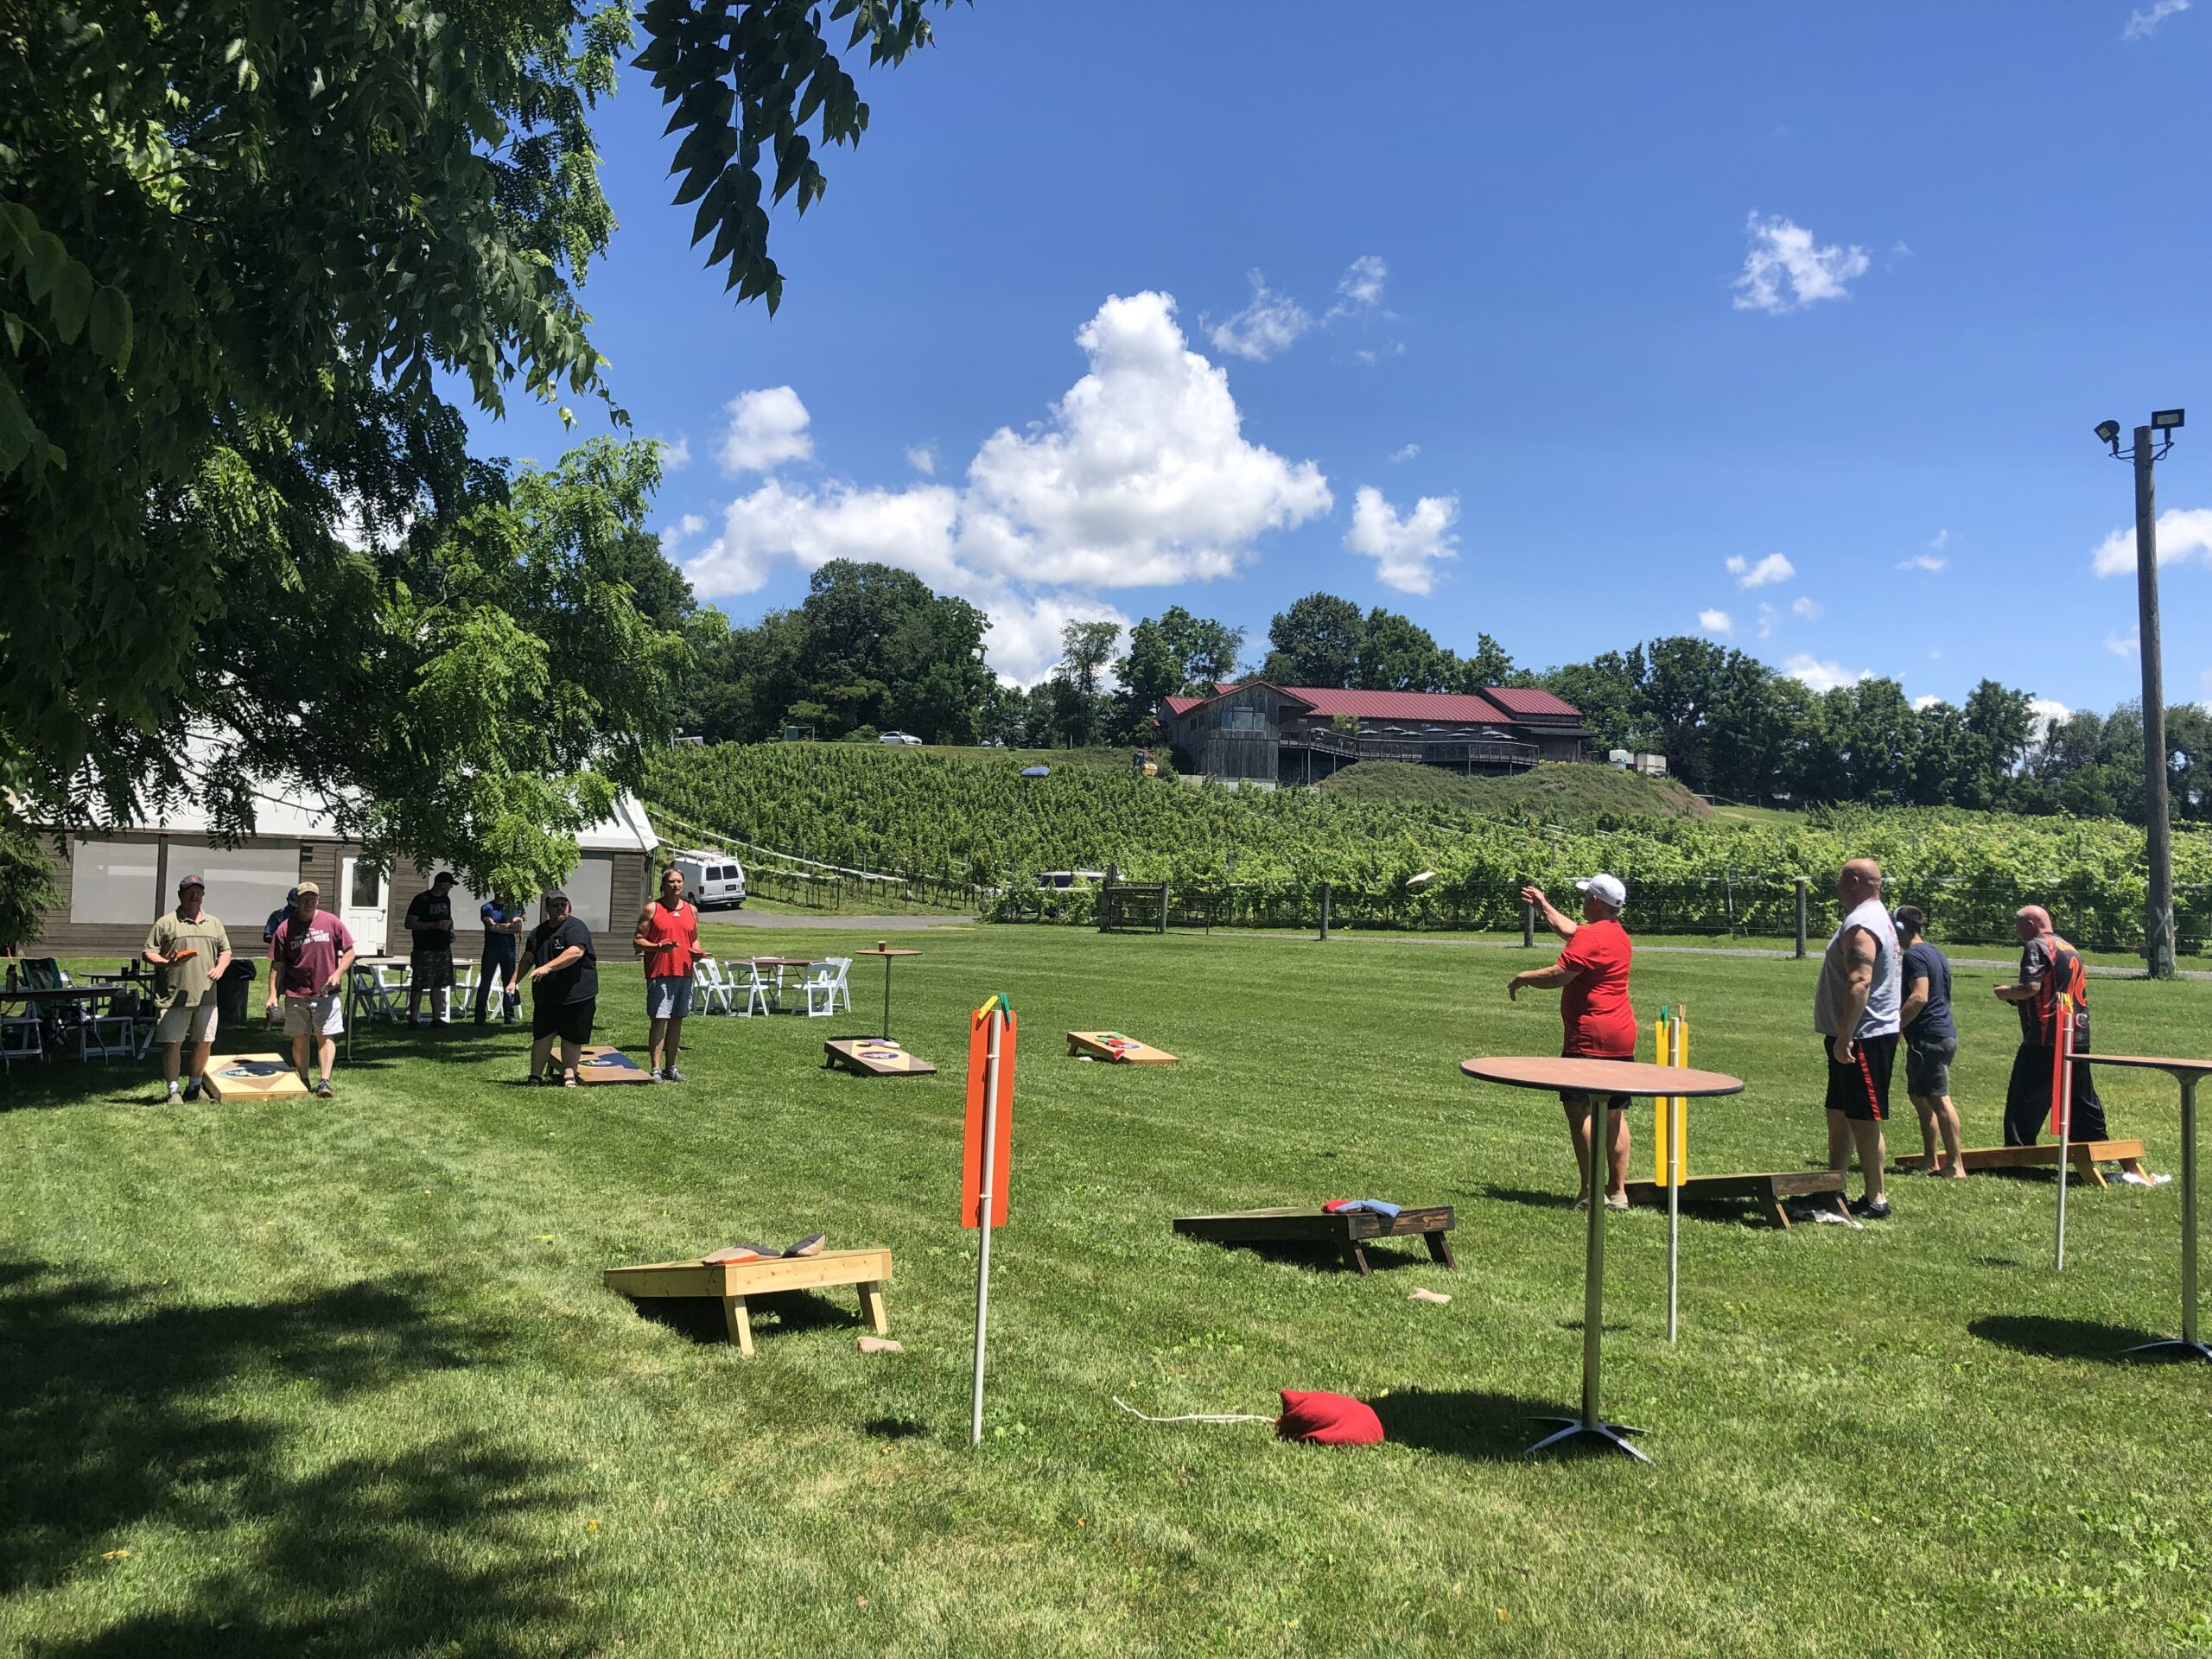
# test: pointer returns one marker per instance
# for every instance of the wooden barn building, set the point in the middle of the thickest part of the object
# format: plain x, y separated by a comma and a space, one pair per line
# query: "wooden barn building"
114, 882
1302, 733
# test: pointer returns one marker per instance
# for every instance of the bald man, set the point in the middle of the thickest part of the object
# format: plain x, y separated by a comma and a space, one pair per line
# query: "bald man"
2050, 968
1855, 1009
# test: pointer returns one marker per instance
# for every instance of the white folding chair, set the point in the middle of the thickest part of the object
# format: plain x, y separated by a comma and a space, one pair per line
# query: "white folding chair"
376, 998
107, 1037
709, 989
21, 1038
763, 992
824, 984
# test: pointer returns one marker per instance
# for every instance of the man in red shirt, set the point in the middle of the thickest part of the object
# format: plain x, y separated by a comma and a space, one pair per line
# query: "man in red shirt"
668, 939
1593, 1006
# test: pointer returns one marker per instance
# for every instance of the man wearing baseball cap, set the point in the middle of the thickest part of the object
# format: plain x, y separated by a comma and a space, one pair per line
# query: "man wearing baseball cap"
309, 960
429, 958
189, 951
1593, 1006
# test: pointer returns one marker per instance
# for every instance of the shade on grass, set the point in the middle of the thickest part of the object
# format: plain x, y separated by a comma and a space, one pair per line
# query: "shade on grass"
341, 1377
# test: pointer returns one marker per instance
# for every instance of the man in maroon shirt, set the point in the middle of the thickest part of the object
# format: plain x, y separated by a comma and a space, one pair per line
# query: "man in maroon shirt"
310, 955
1593, 1006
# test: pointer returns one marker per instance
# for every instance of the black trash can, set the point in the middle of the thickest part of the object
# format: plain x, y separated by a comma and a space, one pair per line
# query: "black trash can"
232, 990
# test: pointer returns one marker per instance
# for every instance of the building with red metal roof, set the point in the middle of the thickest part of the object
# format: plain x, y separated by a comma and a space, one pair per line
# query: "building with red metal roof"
1301, 734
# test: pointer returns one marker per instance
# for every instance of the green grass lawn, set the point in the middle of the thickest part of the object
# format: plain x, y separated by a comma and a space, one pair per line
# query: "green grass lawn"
339, 1378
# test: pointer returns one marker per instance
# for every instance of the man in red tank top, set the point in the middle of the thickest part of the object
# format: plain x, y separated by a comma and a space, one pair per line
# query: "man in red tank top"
1593, 1007
668, 939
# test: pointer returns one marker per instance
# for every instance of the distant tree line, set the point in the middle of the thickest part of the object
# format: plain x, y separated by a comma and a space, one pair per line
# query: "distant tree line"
871, 648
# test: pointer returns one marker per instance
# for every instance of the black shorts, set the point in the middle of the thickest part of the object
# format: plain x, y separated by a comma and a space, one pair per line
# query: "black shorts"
570, 1021
1573, 1102
1860, 1091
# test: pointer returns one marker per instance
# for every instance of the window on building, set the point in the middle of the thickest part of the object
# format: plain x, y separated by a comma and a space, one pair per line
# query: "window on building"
368, 885
1243, 720
114, 881
244, 883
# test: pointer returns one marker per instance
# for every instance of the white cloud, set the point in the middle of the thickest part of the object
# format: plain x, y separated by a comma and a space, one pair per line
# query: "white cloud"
2124, 645
1783, 256
2045, 712
1406, 549
1406, 453
1141, 476
1819, 675
1362, 284
674, 454
1923, 705
923, 459
1271, 323
1716, 622
690, 525
1936, 655
1939, 541
1921, 561
2141, 25
1769, 571
1807, 608
2180, 533
766, 428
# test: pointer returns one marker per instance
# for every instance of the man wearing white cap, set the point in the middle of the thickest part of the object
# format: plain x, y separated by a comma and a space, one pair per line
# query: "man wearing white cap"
189, 949
1594, 1008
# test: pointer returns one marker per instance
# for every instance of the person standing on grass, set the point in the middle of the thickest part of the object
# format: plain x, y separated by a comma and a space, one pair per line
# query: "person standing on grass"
2050, 968
1855, 1010
310, 956
277, 916
430, 959
189, 950
563, 973
1931, 1040
1592, 974
668, 939
502, 920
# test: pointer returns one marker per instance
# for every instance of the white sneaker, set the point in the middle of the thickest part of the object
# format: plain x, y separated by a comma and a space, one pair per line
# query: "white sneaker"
1827, 1218
2129, 1178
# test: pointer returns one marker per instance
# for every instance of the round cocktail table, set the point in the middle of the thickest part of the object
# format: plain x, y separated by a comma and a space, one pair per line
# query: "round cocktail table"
1578, 1077
886, 951
2186, 1072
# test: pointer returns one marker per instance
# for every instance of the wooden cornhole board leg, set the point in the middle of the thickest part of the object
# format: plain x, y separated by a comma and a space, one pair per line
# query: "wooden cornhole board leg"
1440, 1249
872, 1307
1768, 1191
737, 1324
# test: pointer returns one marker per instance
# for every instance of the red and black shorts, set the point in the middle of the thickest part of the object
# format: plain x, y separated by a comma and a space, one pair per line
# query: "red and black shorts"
1860, 1089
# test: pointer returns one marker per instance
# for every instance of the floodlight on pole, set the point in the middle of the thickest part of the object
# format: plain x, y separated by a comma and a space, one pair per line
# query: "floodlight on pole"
2151, 442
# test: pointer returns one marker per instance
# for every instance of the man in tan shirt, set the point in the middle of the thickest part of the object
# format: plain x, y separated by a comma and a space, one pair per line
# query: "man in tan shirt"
189, 950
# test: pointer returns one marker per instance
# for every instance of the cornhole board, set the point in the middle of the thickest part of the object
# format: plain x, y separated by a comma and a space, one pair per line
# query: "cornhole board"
732, 1282
252, 1077
1113, 1047
2084, 1155
1349, 1231
603, 1064
1769, 1190
875, 1056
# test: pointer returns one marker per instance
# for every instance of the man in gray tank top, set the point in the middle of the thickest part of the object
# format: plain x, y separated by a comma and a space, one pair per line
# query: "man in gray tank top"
1855, 1010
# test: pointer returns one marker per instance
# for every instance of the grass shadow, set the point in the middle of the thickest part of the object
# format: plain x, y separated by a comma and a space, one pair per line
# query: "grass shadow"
1469, 1423
2045, 1337
700, 1318
123, 1411
1381, 1257
1523, 1195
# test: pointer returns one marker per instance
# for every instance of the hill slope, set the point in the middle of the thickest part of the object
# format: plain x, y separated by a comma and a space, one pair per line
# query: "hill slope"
1550, 793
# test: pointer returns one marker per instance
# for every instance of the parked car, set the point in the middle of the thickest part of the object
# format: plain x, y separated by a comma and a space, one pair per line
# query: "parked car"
898, 737
712, 880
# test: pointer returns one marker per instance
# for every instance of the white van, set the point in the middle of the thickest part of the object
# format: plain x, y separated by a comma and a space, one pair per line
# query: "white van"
712, 879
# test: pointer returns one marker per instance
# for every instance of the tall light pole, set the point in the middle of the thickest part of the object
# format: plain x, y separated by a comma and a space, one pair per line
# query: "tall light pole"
2151, 444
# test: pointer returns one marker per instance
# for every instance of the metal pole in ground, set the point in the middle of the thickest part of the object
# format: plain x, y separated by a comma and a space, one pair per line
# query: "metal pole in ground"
1527, 927
2064, 1051
983, 1216
1674, 1056
2159, 924
1802, 883
1325, 910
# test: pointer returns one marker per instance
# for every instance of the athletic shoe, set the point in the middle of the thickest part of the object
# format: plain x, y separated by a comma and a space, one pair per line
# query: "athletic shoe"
532, 1081
653, 1075
669, 1074
1866, 1210
192, 1089
323, 1090
1616, 1200
172, 1092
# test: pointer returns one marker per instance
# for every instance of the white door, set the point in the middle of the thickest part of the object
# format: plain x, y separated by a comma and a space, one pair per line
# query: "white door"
366, 895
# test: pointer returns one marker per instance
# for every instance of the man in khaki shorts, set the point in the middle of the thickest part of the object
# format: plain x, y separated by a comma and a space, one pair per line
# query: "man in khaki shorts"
308, 958
189, 950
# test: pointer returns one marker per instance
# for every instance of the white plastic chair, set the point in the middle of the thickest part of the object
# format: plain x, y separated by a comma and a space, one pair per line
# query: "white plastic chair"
763, 992
21, 1039
709, 989
376, 998
824, 985
107, 1037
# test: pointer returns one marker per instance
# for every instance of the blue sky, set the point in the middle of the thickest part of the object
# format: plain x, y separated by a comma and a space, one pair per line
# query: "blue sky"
1577, 326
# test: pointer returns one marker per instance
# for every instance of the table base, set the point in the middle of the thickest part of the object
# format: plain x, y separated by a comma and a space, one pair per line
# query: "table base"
2169, 1348
1606, 1434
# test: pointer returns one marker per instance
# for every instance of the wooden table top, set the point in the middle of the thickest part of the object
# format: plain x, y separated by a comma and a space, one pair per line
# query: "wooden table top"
2150, 1062
886, 951
60, 993
1585, 1077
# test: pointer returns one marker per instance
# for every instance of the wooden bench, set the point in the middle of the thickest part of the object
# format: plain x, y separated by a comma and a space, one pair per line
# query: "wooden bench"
2084, 1155
1116, 1049
732, 1282
1767, 1189
1349, 1231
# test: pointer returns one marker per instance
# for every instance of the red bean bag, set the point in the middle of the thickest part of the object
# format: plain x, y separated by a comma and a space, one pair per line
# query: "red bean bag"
1327, 1419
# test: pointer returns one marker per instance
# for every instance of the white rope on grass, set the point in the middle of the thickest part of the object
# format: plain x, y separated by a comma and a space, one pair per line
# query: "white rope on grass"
1196, 1416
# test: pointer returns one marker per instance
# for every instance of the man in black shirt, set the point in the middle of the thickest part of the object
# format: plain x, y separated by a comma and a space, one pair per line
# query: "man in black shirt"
562, 969
429, 960
1931, 1040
